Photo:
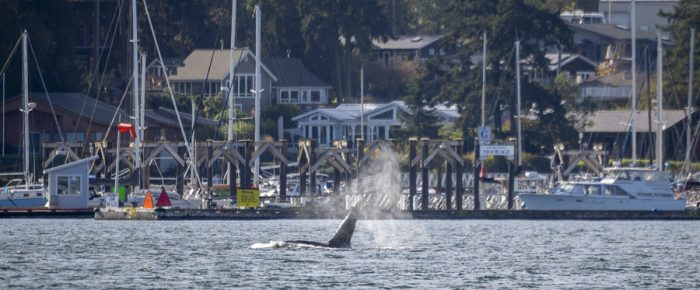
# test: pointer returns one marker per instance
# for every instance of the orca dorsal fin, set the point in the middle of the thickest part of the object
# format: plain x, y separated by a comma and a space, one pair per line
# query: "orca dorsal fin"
343, 235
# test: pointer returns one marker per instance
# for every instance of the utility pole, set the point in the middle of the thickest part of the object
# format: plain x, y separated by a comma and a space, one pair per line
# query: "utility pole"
518, 115
483, 85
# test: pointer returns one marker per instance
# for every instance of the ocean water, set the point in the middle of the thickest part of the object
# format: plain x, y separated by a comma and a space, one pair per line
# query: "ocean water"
415, 254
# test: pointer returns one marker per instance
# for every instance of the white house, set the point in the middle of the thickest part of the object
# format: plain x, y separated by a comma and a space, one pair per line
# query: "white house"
343, 122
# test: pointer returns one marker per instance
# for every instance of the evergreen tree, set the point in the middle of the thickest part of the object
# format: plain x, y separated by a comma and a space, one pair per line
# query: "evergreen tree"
684, 16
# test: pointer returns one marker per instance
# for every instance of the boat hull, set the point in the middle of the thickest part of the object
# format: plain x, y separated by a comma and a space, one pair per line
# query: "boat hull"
34, 202
571, 202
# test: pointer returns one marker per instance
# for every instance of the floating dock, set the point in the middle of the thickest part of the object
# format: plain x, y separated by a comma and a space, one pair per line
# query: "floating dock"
46, 213
301, 213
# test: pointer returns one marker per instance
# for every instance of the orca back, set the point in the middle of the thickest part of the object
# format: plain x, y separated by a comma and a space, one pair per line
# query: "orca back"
343, 235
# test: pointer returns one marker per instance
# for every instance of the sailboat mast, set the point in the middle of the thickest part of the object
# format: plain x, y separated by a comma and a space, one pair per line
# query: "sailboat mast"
659, 103
362, 103
258, 88
142, 99
633, 27
232, 86
135, 88
518, 116
25, 95
231, 65
689, 128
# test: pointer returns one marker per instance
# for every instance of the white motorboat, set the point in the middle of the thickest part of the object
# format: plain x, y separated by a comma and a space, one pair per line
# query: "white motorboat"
622, 189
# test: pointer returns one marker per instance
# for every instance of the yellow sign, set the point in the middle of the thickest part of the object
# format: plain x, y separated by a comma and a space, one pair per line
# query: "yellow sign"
248, 198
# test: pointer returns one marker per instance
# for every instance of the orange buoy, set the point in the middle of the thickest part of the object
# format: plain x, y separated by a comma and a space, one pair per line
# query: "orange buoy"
148, 201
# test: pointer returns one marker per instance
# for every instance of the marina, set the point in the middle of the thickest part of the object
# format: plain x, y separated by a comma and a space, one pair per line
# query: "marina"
501, 144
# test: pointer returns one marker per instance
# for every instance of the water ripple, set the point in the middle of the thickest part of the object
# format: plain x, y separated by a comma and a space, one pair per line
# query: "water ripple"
77, 254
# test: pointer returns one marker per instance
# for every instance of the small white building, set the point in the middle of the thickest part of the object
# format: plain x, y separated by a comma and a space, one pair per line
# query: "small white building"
68, 184
343, 122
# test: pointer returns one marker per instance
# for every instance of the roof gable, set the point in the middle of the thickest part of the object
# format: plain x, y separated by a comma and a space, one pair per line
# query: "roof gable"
407, 42
196, 65
291, 72
618, 121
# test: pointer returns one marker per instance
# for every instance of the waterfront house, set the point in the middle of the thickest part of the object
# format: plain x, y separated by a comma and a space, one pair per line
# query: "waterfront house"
612, 130
295, 84
85, 119
205, 72
612, 89
405, 48
343, 122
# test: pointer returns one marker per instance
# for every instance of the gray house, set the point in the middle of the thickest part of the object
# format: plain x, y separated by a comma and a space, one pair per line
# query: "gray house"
206, 72
599, 42
647, 12
408, 48
295, 84
284, 80
609, 88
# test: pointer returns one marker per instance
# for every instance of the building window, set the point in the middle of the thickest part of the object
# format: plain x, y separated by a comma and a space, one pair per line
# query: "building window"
294, 97
244, 86
68, 185
284, 97
96, 136
324, 135
431, 51
76, 136
315, 96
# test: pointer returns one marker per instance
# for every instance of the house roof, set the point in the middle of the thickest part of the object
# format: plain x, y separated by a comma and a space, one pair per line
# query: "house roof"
612, 31
82, 105
618, 121
345, 112
169, 116
291, 72
350, 111
71, 164
407, 42
566, 58
196, 65
169, 62
619, 79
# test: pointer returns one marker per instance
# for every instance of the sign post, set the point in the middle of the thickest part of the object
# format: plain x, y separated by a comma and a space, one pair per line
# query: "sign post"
499, 150
484, 135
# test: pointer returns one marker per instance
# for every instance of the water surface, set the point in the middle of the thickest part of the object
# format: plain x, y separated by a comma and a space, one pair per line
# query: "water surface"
85, 254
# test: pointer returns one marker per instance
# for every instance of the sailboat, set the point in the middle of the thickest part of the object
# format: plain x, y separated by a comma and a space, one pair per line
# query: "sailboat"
24, 193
